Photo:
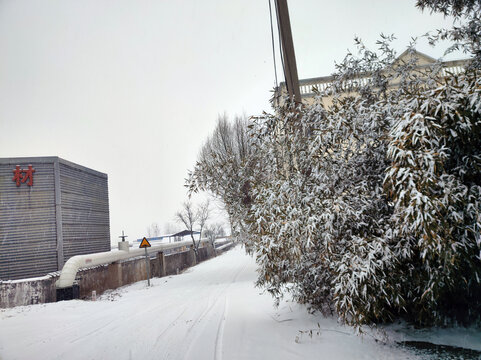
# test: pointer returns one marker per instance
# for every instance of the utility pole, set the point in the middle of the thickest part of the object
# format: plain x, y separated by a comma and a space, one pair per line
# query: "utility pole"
290, 67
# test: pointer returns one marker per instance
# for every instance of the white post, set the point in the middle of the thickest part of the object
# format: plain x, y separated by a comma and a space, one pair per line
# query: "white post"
147, 264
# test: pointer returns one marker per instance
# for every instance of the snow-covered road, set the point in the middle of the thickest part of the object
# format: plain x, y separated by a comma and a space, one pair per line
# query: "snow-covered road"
211, 311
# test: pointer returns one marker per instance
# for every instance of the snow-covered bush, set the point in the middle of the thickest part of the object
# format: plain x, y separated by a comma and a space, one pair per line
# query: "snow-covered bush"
369, 207
434, 181
321, 218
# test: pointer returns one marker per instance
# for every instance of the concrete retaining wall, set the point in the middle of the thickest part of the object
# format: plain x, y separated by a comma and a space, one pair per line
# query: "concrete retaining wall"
174, 263
28, 292
101, 278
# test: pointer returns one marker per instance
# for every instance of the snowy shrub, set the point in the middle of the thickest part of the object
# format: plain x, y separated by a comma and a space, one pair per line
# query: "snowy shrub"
434, 180
369, 207
324, 193
284, 222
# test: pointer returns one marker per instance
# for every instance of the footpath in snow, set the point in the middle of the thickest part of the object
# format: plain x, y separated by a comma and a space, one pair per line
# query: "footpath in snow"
211, 311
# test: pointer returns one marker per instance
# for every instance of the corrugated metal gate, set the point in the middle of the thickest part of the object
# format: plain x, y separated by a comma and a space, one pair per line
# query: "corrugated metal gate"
64, 213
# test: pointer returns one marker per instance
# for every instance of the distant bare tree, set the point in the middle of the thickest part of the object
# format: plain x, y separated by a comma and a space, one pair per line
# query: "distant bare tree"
171, 228
188, 216
153, 230
214, 231
203, 214
220, 230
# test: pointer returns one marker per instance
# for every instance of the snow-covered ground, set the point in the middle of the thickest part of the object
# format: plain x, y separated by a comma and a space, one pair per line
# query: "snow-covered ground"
211, 311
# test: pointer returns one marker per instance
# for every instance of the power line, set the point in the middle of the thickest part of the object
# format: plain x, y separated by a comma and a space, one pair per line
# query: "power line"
288, 55
273, 44
280, 43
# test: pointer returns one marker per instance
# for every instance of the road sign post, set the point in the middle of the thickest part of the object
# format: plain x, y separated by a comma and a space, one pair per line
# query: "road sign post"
145, 244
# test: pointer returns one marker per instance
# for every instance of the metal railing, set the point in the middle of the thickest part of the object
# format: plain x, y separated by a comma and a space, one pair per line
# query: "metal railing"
309, 86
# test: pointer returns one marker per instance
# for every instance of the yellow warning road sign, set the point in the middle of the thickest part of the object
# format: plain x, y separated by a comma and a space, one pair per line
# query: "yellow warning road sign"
145, 243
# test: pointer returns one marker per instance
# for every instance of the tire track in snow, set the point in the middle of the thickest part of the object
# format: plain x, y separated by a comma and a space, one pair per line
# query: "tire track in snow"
220, 332
199, 319
198, 325
174, 348
136, 314
190, 333
168, 327
92, 332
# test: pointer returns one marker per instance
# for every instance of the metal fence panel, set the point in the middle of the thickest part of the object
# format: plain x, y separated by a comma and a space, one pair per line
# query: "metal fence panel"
85, 210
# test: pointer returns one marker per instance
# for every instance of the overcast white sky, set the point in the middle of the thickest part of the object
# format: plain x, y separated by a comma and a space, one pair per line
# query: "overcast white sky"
132, 88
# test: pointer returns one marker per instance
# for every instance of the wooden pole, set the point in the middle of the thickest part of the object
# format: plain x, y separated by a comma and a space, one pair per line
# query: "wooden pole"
290, 66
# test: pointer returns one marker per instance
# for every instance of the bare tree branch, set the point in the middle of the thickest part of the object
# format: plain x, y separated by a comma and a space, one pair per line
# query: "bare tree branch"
203, 214
188, 217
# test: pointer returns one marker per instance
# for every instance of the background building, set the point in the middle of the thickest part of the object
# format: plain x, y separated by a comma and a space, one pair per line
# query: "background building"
50, 210
167, 239
309, 88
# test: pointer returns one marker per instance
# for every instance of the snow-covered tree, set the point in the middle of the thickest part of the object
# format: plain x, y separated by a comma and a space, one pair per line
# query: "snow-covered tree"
224, 168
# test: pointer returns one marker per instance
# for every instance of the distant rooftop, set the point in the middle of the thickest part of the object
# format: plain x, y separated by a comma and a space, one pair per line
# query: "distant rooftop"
169, 236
